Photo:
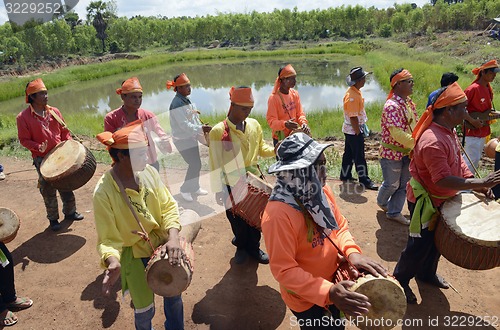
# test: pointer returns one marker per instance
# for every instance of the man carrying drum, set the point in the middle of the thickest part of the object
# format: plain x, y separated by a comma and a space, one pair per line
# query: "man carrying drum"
298, 223
235, 146
39, 131
131, 95
134, 214
438, 172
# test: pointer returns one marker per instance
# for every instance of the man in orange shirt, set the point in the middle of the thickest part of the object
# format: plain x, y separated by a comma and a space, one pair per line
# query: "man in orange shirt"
298, 223
284, 110
354, 129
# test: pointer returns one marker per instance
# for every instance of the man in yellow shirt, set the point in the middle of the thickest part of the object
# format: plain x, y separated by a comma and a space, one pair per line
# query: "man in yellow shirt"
235, 146
121, 249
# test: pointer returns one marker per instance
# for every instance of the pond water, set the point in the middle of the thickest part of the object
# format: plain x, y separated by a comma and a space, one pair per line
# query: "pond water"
320, 82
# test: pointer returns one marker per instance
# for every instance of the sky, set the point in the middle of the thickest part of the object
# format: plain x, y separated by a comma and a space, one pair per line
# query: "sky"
213, 7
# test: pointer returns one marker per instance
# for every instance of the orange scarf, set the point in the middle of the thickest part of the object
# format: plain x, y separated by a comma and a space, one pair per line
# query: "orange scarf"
131, 85
33, 87
287, 71
403, 75
452, 95
180, 81
129, 137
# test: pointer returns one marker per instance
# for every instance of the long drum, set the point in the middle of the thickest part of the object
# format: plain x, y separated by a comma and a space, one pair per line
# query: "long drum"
68, 166
9, 225
166, 280
467, 233
249, 199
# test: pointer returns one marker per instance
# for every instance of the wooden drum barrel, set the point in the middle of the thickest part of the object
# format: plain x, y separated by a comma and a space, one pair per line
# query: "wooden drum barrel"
467, 233
68, 166
9, 225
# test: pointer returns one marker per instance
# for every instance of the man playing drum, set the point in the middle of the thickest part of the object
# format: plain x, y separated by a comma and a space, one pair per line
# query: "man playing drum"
39, 131
438, 172
131, 95
121, 242
235, 146
298, 222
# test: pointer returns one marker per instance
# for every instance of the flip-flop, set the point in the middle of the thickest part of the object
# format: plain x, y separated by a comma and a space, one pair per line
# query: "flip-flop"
20, 303
9, 318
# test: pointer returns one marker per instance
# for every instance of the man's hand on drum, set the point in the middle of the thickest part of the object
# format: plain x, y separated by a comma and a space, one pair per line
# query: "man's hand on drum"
111, 274
173, 248
43, 146
291, 124
219, 197
351, 303
362, 262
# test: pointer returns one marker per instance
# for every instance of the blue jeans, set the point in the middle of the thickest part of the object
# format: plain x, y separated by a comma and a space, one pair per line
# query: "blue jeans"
392, 193
172, 307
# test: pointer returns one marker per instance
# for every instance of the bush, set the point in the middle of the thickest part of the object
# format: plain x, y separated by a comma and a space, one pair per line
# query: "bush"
385, 30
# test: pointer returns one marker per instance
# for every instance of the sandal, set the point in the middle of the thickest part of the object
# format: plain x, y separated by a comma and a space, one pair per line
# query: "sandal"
20, 303
7, 318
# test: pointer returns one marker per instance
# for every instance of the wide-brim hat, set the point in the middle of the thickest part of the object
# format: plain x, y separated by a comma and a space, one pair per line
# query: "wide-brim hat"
355, 75
297, 151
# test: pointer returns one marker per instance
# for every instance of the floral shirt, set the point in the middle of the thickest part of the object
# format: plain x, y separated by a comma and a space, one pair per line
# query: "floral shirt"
401, 114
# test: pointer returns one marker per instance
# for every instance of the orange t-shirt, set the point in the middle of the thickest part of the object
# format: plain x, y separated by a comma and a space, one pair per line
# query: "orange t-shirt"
303, 269
278, 111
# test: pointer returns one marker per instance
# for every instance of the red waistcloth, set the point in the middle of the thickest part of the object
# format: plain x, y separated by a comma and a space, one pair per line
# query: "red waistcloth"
437, 155
479, 100
33, 130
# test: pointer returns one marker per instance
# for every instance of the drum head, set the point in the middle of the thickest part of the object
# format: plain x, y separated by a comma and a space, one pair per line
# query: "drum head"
387, 299
67, 157
473, 219
166, 280
9, 224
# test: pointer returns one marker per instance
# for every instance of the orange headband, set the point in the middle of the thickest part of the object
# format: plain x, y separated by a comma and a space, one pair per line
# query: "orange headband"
128, 137
453, 95
241, 96
180, 81
287, 71
403, 75
487, 65
33, 87
131, 85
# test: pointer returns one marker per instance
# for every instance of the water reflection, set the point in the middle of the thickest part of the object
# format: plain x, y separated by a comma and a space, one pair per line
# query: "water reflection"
320, 82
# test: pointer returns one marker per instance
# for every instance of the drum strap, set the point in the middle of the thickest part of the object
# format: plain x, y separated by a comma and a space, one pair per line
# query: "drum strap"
144, 235
62, 123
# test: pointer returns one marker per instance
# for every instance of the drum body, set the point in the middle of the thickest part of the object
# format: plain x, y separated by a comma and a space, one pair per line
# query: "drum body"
68, 166
9, 225
166, 280
249, 199
387, 299
467, 233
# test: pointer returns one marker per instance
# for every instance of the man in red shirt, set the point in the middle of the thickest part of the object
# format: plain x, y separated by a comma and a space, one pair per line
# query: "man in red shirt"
438, 172
480, 98
39, 131
130, 111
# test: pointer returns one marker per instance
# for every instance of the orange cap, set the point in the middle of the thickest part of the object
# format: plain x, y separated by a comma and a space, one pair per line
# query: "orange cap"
34, 86
241, 96
131, 85
129, 137
181, 80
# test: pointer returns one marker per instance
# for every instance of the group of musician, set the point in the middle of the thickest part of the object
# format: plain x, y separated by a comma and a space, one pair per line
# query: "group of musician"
305, 233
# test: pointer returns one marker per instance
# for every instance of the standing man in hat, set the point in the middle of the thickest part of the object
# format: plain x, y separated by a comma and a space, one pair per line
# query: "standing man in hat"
186, 128
298, 223
40, 128
354, 128
125, 243
235, 147
131, 95
480, 98
399, 117
438, 172
284, 109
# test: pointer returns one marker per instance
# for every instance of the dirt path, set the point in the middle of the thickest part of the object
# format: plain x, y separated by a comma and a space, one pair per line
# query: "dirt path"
60, 271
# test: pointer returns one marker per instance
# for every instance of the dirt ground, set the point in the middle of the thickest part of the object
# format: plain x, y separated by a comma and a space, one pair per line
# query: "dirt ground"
60, 271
